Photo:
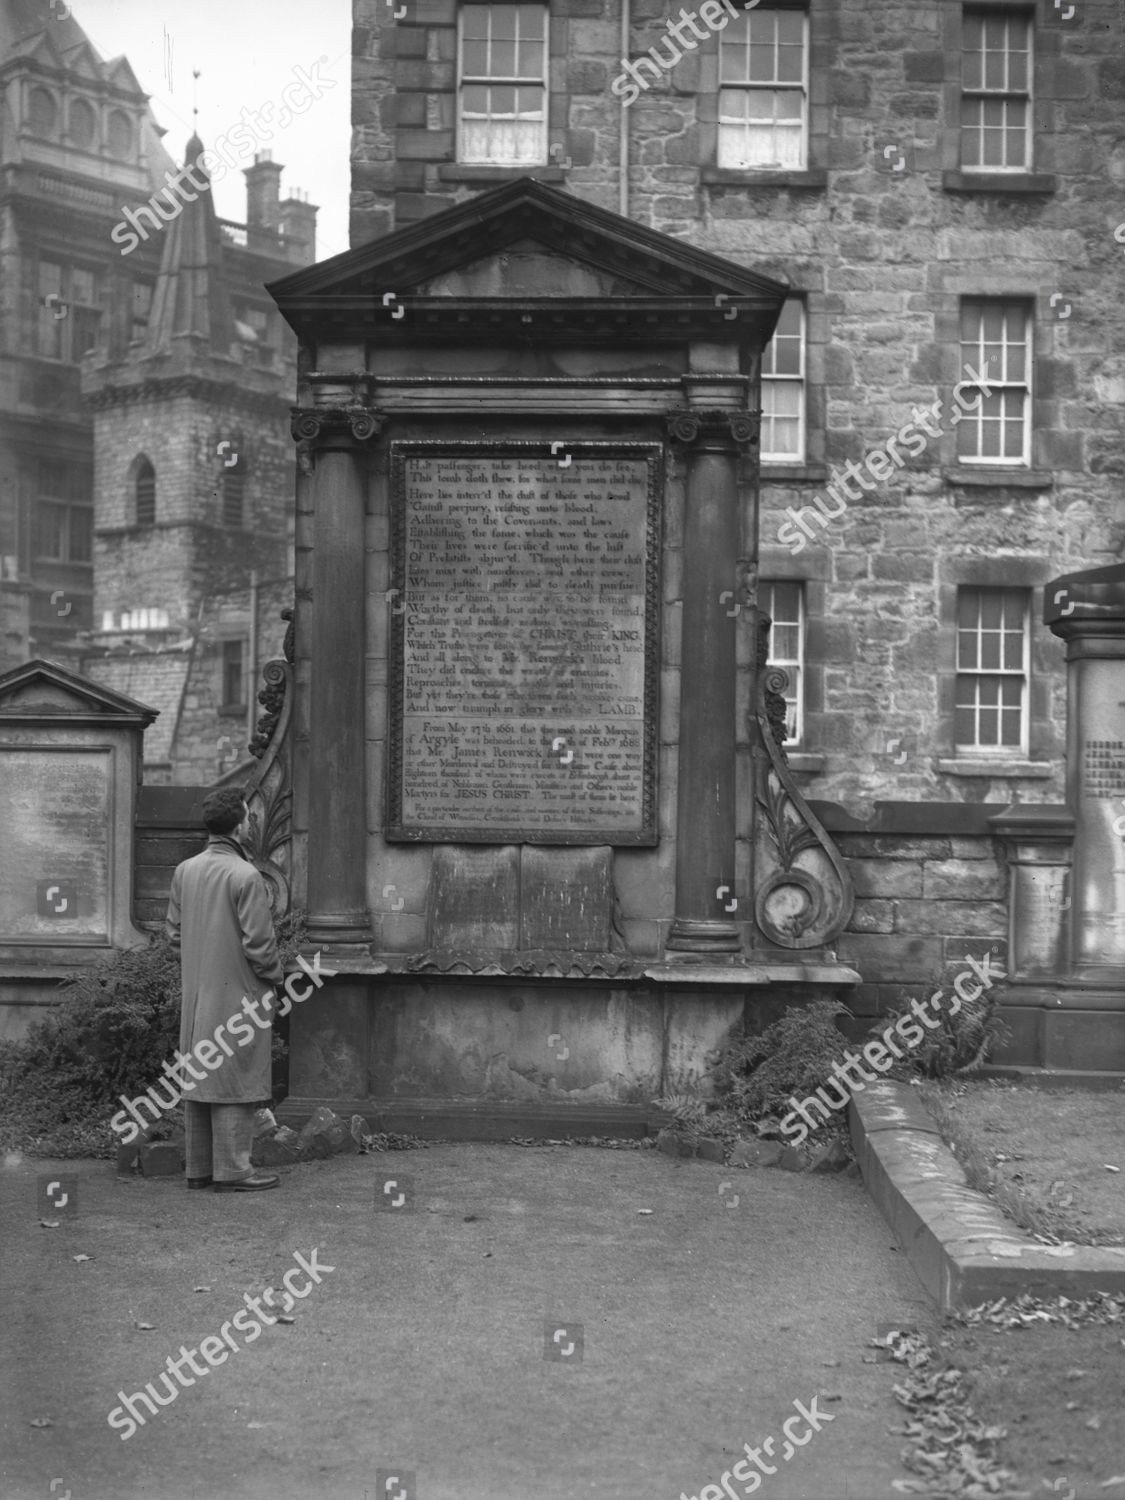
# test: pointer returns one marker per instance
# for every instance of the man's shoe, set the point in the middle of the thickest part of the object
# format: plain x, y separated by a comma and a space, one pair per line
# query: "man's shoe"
255, 1184
199, 1182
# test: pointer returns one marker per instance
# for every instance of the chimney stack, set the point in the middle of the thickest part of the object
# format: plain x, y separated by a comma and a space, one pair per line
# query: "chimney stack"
262, 193
298, 229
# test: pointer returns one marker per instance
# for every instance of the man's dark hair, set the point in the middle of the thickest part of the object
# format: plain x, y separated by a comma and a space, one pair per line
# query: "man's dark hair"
224, 810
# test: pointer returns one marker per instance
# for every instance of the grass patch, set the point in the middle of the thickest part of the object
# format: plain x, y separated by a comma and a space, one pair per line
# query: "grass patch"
1041, 1157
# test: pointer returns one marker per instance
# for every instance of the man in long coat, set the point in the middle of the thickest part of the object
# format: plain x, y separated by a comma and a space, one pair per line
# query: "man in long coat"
219, 917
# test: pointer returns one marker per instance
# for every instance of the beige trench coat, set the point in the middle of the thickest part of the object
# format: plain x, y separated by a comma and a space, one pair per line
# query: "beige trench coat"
219, 917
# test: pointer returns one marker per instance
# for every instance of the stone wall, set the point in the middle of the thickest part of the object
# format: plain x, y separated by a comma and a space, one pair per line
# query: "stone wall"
923, 905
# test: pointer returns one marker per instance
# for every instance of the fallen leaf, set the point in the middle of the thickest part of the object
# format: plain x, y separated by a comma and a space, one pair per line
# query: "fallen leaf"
1094, 1423
645, 1210
201, 1288
146, 1327
80, 1257
1111, 1169
285, 1318
41, 1422
50, 1223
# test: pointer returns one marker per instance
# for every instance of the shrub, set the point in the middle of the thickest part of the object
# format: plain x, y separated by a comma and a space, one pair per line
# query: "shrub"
111, 1033
755, 1075
960, 1043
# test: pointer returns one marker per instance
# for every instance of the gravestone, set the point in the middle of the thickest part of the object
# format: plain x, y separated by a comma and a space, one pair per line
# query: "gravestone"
70, 759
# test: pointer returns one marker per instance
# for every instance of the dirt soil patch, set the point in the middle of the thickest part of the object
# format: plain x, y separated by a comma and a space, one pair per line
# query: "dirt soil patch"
1055, 1388
1052, 1161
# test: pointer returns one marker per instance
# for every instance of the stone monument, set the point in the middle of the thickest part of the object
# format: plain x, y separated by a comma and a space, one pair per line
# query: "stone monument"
1065, 1000
70, 765
547, 837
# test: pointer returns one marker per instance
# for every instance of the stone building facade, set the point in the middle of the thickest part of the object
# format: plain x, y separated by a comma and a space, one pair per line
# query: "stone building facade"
193, 474
128, 532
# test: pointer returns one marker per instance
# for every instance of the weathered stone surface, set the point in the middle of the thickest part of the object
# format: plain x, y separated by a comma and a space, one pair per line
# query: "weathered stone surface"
711, 1149
324, 1134
275, 1150
756, 1154
675, 1143
792, 1160
128, 1157
161, 1159
832, 1157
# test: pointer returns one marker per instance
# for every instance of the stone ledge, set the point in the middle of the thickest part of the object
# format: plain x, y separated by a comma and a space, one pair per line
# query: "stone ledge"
998, 479
999, 767
750, 974
962, 1248
483, 1119
779, 471
813, 177
783, 473
998, 182
483, 172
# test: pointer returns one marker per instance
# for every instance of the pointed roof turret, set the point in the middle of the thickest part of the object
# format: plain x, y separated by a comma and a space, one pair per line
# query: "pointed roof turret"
191, 298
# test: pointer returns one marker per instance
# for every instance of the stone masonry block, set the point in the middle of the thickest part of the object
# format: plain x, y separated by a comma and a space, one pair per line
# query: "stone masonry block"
885, 877
962, 880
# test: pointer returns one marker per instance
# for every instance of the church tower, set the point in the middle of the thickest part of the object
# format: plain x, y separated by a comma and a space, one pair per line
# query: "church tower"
193, 503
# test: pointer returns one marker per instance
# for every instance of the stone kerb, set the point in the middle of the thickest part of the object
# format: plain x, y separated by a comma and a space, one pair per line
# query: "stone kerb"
963, 1249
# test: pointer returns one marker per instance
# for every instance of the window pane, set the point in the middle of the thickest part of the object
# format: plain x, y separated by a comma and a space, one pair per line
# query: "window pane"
50, 530
474, 20
502, 59
474, 59
82, 123
81, 533
43, 113
120, 134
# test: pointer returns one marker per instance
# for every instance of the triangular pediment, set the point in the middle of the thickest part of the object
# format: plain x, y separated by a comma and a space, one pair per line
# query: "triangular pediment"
42, 689
121, 76
524, 242
528, 268
83, 62
39, 48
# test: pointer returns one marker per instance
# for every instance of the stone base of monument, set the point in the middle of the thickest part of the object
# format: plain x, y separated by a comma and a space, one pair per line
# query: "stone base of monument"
1061, 1027
487, 1057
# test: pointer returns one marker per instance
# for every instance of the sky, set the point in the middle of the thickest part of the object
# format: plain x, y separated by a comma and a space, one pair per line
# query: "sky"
247, 53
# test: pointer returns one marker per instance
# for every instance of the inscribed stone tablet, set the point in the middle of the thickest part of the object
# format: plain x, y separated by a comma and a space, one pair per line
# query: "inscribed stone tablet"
524, 643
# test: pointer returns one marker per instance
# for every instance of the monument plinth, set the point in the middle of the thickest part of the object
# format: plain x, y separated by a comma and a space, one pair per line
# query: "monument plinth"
528, 765
1065, 998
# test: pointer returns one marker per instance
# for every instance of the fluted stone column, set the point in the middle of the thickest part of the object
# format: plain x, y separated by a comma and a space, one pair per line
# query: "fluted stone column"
705, 810
337, 837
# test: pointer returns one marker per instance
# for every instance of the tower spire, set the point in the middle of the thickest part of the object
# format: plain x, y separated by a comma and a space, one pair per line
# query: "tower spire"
191, 298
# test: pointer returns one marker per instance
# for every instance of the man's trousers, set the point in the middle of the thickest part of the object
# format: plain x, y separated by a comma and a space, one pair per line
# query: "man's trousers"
218, 1138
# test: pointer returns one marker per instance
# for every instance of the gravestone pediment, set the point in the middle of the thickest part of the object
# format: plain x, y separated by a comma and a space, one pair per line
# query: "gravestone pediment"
41, 689
529, 268
527, 244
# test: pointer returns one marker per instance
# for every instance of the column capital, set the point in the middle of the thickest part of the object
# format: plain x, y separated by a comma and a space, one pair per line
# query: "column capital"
320, 424
708, 427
